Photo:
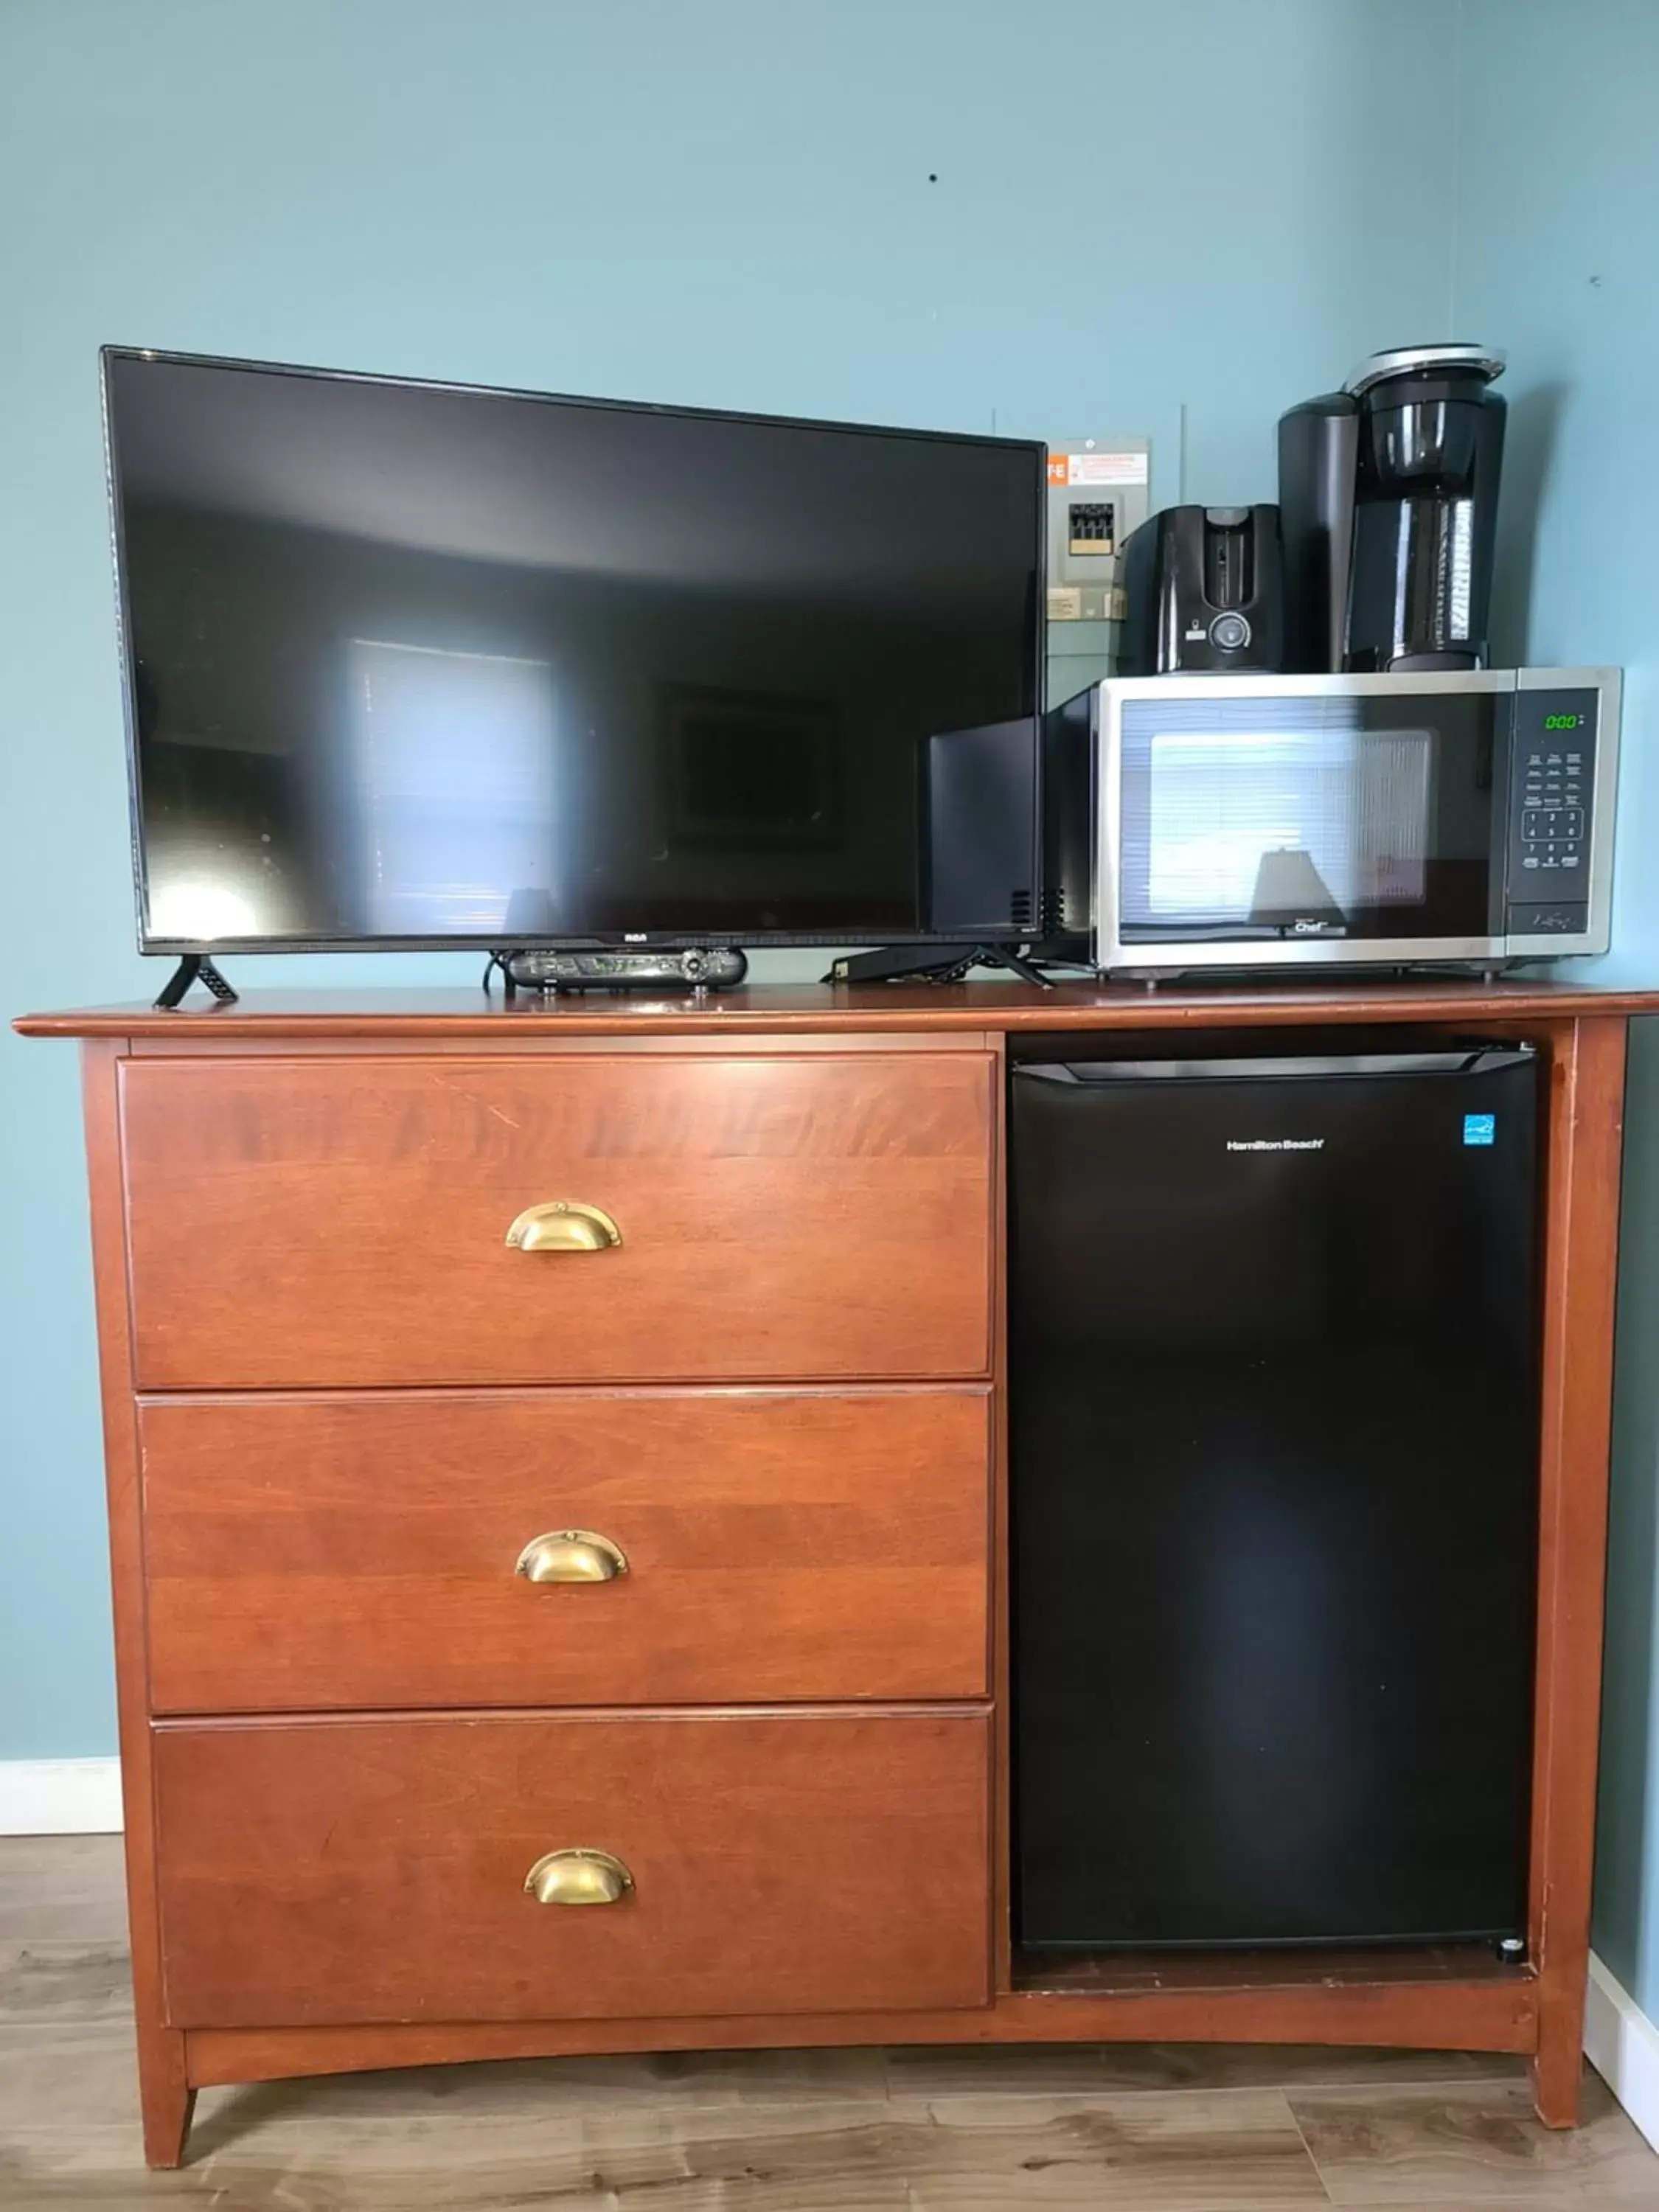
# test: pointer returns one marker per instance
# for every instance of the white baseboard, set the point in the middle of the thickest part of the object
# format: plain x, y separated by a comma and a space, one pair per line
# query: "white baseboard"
1622, 2044
60, 1797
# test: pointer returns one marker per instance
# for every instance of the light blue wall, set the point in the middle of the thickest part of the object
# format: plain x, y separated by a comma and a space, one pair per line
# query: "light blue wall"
1146, 218
1170, 219
1558, 260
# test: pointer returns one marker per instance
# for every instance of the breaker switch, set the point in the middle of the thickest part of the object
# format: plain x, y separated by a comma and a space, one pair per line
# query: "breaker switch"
1093, 527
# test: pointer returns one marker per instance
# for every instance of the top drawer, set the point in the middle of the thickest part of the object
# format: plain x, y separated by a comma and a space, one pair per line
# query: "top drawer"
345, 1221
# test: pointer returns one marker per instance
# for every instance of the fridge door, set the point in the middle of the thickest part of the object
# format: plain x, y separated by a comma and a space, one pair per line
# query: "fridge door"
1274, 1480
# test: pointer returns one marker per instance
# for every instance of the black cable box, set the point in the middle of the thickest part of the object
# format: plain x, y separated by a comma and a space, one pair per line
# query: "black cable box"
691, 967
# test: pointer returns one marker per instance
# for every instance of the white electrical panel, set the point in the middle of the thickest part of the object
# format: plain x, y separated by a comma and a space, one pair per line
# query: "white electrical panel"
1098, 492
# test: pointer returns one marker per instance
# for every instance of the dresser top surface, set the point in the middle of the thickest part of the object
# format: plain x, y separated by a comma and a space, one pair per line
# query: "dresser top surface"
809, 1009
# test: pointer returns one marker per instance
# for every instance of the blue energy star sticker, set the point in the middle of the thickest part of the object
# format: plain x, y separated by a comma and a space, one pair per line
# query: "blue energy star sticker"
1480, 1128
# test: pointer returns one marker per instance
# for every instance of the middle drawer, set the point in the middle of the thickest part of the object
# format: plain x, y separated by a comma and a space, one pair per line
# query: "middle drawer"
313, 1553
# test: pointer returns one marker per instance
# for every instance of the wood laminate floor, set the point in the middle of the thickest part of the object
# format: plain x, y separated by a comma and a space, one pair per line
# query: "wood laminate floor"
1151, 2128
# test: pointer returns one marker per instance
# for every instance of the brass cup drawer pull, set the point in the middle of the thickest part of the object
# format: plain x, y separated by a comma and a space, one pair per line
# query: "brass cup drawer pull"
571, 1555
565, 1226
578, 1877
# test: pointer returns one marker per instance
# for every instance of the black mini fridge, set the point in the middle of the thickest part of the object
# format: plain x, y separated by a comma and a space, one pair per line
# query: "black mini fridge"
1273, 1477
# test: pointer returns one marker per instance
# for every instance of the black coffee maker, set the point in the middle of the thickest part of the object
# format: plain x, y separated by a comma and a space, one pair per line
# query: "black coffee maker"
1203, 593
1388, 494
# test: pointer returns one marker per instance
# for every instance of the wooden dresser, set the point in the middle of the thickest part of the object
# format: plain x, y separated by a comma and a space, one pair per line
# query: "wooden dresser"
556, 1462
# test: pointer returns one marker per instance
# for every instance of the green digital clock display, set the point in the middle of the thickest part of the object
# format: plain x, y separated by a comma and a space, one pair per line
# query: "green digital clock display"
1562, 721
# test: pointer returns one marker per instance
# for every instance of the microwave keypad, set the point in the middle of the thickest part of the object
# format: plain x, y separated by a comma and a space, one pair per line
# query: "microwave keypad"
1552, 779
1554, 805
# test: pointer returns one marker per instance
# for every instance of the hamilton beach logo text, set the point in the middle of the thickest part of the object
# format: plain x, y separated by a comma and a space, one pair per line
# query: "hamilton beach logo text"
1275, 1143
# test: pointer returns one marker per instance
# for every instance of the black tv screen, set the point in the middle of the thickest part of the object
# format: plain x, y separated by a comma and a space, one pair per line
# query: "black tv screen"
420, 664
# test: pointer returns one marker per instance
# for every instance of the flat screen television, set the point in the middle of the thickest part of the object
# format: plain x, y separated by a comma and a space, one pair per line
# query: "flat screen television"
419, 665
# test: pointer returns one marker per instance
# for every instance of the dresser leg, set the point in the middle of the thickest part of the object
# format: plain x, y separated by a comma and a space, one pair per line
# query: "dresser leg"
167, 2097
1558, 2069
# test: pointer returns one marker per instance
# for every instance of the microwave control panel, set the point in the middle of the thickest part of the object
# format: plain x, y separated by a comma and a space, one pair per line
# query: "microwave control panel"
1551, 785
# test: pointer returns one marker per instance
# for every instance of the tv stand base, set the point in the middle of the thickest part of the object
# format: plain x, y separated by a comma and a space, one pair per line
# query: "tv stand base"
193, 968
933, 963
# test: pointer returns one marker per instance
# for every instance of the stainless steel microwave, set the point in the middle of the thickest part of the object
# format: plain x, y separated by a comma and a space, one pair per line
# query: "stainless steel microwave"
1239, 822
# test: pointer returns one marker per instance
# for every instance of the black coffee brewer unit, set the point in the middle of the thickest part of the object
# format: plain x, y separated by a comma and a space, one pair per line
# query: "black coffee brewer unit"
1203, 593
1388, 494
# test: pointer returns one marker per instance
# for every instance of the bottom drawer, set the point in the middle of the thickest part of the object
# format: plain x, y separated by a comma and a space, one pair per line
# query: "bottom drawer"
320, 1872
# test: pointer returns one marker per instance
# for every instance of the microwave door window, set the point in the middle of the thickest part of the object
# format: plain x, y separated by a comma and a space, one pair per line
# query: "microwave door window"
1339, 828
1295, 833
